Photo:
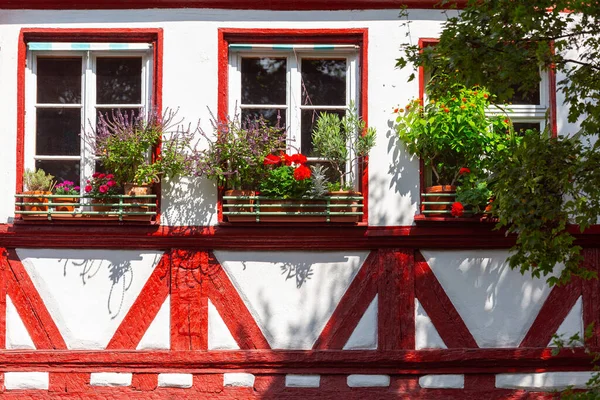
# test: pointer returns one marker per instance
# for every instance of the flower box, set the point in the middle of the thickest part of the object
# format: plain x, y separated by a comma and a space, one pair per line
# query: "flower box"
262, 209
117, 208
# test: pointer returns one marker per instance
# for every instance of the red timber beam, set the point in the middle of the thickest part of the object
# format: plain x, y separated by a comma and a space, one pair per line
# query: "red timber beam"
591, 296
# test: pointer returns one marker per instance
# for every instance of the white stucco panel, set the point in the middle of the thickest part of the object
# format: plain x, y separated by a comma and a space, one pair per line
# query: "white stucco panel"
497, 304
543, 381
302, 381
291, 294
182, 381
573, 323
364, 335
426, 336
442, 381
17, 336
158, 334
238, 379
359, 380
88, 292
110, 379
26, 380
219, 336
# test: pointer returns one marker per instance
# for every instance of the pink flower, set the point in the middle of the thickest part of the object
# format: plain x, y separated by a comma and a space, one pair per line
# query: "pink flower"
109, 176
457, 209
464, 170
88, 188
95, 175
110, 183
101, 176
103, 189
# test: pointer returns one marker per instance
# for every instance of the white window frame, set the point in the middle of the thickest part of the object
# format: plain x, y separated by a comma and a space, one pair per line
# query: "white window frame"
293, 107
88, 103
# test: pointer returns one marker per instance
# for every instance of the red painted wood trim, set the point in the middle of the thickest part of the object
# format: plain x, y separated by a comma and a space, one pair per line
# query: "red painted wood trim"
480, 382
591, 295
3, 282
358, 36
352, 306
438, 306
554, 311
144, 309
30, 307
20, 157
304, 5
189, 319
64, 382
144, 382
396, 314
411, 362
231, 308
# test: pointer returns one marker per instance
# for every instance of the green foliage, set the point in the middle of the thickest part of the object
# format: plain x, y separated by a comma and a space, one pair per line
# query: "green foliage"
280, 182
236, 151
342, 142
124, 142
453, 131
474, 195
491, 43
38, 180
541, 185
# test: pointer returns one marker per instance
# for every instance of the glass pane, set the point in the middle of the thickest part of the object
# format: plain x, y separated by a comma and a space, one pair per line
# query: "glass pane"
59, 80
119, 80
521, 127
308, 123
264, 81
275, 117
62, 170
57, 131
324, 82
520, 97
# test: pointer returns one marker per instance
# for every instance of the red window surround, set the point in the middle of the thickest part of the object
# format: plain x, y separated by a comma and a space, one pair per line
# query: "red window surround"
154, 36
313, 36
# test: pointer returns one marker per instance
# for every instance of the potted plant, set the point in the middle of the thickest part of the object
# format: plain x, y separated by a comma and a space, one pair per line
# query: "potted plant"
37, 183
342, 142
451, 133
68, 190
124, 143
101, 188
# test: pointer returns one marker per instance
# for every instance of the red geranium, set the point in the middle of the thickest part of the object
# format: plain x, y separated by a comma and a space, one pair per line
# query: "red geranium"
299, 158
457, 209
272, 159
464, 170
301, 173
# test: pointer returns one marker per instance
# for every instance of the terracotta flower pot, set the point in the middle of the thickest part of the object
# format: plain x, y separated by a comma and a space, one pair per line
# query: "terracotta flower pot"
68, 208
97, 207
132, 189
447, 195
36, 200
352, 206
240, 218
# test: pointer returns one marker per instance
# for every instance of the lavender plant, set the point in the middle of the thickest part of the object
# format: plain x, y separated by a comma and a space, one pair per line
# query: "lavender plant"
124, 141
236, 150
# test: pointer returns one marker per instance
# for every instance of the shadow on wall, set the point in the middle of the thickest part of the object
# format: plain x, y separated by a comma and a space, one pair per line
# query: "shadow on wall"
120, 274
191, 202
497, 303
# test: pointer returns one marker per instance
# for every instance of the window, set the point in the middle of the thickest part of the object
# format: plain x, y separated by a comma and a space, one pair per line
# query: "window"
67, 84
291, 85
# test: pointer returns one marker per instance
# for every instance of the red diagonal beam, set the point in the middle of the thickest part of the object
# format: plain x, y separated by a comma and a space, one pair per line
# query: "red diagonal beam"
591, 296
189, 300
439, 307
352, 306
30, 306
396, 314
144, 309
554, 311
232, 309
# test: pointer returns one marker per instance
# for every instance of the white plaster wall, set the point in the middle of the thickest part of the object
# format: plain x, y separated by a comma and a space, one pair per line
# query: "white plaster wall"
291, 295
190, 83
88, 292
497, 304
546, 381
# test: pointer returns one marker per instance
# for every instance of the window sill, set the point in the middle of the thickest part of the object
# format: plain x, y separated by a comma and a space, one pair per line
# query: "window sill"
423, 220
325, 210
75, 208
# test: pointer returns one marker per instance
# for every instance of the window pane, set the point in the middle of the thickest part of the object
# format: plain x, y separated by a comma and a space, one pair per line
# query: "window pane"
57, 131
521, 127
521, 97
59, 80
274, 117
61, 170
309, 122
119, 80
264, 81
324, 82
